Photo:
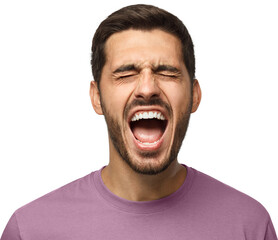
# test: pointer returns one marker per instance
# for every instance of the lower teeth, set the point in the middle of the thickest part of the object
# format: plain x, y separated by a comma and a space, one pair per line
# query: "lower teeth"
148, 143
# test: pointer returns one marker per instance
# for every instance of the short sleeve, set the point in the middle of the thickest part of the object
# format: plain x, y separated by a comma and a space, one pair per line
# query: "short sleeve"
11, 232
270, 232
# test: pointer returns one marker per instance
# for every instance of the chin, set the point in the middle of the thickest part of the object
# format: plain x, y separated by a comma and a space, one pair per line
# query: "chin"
148, 163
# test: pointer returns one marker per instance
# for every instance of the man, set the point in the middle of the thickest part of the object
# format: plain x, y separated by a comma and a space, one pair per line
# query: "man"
144, 69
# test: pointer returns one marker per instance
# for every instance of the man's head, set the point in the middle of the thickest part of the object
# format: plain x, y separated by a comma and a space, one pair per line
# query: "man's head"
143, 64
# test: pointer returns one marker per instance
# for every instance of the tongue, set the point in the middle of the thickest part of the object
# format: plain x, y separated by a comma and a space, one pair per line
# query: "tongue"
148, 130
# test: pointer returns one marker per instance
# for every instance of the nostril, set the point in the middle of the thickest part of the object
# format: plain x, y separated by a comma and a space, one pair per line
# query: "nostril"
147, 96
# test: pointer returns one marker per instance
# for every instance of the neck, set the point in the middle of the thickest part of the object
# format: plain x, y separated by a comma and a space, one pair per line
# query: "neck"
124, 182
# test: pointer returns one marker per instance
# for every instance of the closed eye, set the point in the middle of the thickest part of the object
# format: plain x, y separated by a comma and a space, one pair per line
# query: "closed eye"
168, 75
126, 76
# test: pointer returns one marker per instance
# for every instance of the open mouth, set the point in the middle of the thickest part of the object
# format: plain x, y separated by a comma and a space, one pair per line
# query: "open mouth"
148, 127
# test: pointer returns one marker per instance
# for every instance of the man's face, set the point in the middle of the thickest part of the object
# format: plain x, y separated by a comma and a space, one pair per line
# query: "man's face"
146, 98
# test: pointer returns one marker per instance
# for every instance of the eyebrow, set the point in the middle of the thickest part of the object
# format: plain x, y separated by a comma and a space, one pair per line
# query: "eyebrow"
125, 68
168, 68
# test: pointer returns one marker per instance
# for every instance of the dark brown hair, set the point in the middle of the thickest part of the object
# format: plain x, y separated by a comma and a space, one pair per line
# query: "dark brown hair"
140, 17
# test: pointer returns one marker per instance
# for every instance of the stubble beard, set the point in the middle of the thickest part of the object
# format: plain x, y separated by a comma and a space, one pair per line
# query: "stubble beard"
147, 167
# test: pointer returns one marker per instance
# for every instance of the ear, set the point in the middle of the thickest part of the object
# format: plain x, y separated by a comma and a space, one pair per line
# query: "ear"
197, 95
95, 98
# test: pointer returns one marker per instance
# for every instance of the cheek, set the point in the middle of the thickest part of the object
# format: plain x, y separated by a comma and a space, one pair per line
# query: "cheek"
115, 98
179, 96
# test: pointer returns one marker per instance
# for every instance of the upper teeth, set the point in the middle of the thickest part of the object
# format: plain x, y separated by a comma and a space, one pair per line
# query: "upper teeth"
148, 115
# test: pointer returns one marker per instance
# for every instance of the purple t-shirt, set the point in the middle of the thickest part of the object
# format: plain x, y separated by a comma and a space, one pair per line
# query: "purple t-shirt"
201, 209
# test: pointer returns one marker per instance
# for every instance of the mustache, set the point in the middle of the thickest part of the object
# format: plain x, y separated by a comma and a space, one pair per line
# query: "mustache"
151, 102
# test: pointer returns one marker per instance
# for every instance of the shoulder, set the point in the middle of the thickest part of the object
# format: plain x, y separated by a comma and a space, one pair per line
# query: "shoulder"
225, 199
62, 198
53, 212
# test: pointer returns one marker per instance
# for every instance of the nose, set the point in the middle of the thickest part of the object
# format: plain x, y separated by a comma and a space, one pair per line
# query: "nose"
147, 86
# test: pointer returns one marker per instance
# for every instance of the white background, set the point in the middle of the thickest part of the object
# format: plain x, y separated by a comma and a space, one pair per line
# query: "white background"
49, 134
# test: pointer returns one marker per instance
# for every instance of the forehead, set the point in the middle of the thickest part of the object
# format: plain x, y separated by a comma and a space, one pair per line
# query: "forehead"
143, 47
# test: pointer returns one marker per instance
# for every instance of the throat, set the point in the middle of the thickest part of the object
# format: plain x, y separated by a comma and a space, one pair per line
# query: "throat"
148, 131
154, 186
